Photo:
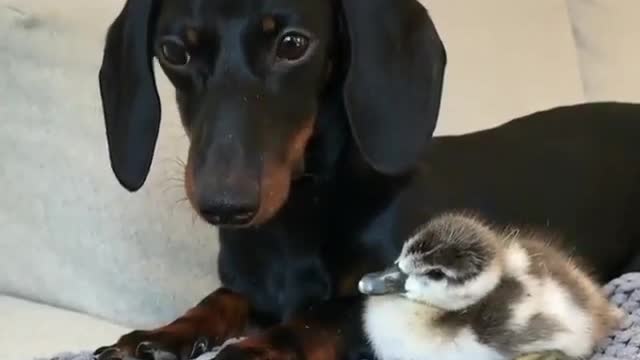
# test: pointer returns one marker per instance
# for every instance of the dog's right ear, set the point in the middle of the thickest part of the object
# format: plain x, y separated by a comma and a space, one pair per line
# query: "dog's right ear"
130, 100
393, 88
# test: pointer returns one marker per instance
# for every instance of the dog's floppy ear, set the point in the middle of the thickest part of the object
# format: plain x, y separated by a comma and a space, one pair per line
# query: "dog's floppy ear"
130, 100
394, 81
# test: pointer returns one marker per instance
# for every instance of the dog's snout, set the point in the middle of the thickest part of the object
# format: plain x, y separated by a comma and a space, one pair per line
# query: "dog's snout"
232, 201
229, 214
225, 181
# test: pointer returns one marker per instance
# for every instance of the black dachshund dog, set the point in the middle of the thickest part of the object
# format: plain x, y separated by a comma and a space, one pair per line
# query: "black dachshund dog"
311, 149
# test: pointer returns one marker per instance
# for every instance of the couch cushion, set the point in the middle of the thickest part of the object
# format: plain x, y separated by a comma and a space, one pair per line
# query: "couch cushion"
70, 235
29, 330
505, 59
608, 42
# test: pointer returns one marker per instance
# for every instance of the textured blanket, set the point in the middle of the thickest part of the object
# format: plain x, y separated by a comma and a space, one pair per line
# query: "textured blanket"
624, 344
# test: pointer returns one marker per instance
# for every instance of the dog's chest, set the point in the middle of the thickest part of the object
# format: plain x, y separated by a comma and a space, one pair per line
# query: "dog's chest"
402, 330
304, 258
278, 280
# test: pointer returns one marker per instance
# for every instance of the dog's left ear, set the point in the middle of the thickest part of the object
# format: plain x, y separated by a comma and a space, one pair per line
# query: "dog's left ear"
394, 82
130, 100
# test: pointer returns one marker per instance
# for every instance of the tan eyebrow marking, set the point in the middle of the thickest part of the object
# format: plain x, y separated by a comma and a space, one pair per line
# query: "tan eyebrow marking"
192, 37
268, 24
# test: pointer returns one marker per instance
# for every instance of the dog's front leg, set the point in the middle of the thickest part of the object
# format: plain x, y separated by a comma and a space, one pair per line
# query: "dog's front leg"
220, 316
328, 331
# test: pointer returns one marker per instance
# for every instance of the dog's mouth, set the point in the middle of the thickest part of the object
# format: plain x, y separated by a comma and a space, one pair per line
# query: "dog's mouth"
389, 281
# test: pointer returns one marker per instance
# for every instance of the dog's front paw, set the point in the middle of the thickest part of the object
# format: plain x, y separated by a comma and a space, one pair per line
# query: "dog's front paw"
154, 345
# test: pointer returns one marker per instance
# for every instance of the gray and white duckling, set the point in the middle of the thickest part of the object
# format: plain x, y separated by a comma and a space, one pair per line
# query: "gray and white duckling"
461, 290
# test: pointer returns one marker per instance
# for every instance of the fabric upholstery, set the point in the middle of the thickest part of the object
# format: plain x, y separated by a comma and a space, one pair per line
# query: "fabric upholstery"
607, 35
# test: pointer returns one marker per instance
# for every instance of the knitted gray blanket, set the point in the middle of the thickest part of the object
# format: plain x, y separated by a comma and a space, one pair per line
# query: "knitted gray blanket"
623, 344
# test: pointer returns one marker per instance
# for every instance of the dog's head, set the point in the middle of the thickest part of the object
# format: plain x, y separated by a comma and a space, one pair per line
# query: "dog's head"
250, 76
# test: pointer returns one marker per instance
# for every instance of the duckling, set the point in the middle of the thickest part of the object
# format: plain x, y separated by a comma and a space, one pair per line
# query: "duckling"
462, 290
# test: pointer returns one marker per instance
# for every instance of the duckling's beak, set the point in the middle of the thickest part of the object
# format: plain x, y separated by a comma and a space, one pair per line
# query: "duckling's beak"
389, 281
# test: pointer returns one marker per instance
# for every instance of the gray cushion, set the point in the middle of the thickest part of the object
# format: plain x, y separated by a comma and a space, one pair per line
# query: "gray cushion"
29, 330
70, 235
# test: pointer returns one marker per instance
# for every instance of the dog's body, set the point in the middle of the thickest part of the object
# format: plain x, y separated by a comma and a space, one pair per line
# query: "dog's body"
553, 170
310, 125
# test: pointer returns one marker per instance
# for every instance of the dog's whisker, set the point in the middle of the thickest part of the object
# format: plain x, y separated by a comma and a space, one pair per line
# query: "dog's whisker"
173, 159
180, 162
181, 200
178, 203
176, 176
170, 189
171, 193
176, 179
173, 181
179, 171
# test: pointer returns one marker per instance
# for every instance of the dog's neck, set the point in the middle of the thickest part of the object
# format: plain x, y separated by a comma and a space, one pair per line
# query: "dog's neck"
334, 161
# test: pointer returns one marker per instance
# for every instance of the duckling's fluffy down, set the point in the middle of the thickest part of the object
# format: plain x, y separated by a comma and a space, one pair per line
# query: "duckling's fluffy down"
558, 289
542, 301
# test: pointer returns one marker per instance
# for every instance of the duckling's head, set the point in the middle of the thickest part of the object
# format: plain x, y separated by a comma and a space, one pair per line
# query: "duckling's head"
450, 263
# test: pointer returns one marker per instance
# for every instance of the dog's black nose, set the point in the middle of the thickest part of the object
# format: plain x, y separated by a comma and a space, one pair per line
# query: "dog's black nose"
228, 214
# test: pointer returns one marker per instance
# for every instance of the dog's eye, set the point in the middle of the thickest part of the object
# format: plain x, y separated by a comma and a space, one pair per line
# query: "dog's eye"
292, 46
174, 52
436, 274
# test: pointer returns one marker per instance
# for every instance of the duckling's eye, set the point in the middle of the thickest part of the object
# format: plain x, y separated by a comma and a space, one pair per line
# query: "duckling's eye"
435, 274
